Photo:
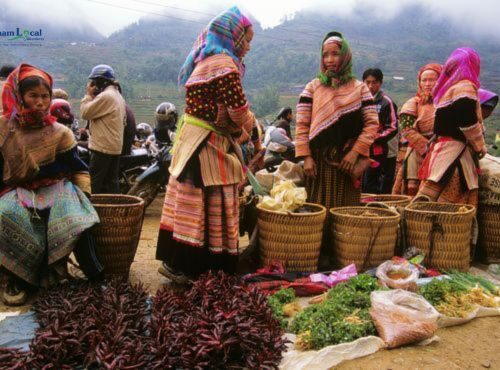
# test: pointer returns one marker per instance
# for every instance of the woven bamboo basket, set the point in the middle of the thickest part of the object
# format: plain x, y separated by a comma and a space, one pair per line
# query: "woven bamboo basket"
118, 233
390, 199
294, 239
442, 231
488, 218
364, 236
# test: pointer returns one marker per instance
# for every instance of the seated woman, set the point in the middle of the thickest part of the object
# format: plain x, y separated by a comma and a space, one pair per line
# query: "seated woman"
44, 210
279, 145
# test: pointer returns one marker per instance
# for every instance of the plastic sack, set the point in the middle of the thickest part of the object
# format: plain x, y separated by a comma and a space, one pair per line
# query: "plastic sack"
398, 275
286, 171
489, 180
402, 317
285, 197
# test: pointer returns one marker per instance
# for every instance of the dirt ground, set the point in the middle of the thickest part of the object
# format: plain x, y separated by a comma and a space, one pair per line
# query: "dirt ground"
475, 345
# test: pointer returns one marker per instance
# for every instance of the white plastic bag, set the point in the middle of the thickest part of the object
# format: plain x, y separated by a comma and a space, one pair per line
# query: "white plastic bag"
392, 274
284, 197
402, 317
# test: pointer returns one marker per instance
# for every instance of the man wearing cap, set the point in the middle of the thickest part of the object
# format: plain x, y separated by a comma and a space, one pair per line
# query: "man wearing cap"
104, 108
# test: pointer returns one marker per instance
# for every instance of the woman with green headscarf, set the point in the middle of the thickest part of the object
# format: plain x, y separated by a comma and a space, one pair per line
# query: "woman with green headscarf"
337, 123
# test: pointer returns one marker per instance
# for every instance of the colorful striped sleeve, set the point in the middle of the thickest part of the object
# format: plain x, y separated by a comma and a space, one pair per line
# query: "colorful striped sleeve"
303, 122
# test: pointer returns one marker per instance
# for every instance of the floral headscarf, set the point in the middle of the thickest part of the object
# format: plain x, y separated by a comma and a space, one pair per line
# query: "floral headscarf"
343, 74
223, 35
13, 107
463, 64
436, 67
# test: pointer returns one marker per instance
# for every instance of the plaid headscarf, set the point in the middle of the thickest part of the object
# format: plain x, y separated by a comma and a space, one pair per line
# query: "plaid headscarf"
13, 107
343, 74
223, 35
463, 64
436, 67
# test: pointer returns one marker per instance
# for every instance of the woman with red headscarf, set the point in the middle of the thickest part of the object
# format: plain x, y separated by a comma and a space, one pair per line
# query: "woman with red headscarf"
450, 170
416, 121
44, 213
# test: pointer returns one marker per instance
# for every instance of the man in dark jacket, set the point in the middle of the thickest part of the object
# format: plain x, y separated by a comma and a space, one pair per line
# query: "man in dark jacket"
377, 177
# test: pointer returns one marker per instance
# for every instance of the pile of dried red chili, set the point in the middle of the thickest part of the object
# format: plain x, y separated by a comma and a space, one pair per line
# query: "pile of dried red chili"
94, 326
216, 324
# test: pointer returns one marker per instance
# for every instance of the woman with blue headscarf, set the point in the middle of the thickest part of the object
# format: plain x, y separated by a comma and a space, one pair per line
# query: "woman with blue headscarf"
199, 223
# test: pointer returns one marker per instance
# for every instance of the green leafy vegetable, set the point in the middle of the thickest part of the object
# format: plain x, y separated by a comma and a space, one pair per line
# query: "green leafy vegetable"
341, 318
277, 301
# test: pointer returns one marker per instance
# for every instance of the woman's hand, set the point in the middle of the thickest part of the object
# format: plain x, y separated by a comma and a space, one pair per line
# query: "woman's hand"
348, 162
310, 167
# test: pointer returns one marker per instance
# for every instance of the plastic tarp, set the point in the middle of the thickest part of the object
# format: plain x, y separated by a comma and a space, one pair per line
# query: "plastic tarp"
17, 330
329, 356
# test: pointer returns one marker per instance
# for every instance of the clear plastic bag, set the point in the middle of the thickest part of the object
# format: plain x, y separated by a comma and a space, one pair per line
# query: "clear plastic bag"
402, 317
398, 275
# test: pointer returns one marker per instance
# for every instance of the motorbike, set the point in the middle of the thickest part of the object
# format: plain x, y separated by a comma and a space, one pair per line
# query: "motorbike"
131, 166
155, 178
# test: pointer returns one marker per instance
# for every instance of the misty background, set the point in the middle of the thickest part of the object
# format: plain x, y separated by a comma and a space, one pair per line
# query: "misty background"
146, 42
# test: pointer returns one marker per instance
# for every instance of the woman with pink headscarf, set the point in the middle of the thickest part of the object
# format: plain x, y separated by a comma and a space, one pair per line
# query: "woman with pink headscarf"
450, 170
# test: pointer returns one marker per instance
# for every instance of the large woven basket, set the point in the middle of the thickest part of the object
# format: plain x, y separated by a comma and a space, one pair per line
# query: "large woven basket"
488, 217
391, 200
118, 233
442, 231
293, 238
364, 236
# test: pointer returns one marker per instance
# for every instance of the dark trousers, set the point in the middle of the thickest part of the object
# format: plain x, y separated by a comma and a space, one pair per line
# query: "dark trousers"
373, 177
104, 173
388, 175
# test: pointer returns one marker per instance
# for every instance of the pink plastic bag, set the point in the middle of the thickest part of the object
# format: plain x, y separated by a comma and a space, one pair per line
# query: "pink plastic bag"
335, 277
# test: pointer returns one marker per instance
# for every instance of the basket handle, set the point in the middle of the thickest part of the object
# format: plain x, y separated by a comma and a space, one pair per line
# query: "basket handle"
378, 205
371, 244
420, 198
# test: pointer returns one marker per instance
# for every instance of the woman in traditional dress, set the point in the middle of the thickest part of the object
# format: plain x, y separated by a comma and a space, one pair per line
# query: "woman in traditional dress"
44, 213
450, 169
337, 123
199, 223
416, 122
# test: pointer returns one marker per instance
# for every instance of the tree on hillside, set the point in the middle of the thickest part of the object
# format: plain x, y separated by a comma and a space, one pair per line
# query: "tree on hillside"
265, 101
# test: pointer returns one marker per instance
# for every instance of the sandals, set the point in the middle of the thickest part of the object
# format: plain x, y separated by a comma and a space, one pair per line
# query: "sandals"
176, 277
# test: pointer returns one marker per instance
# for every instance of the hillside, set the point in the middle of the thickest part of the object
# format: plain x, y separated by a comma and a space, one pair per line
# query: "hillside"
147, 55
